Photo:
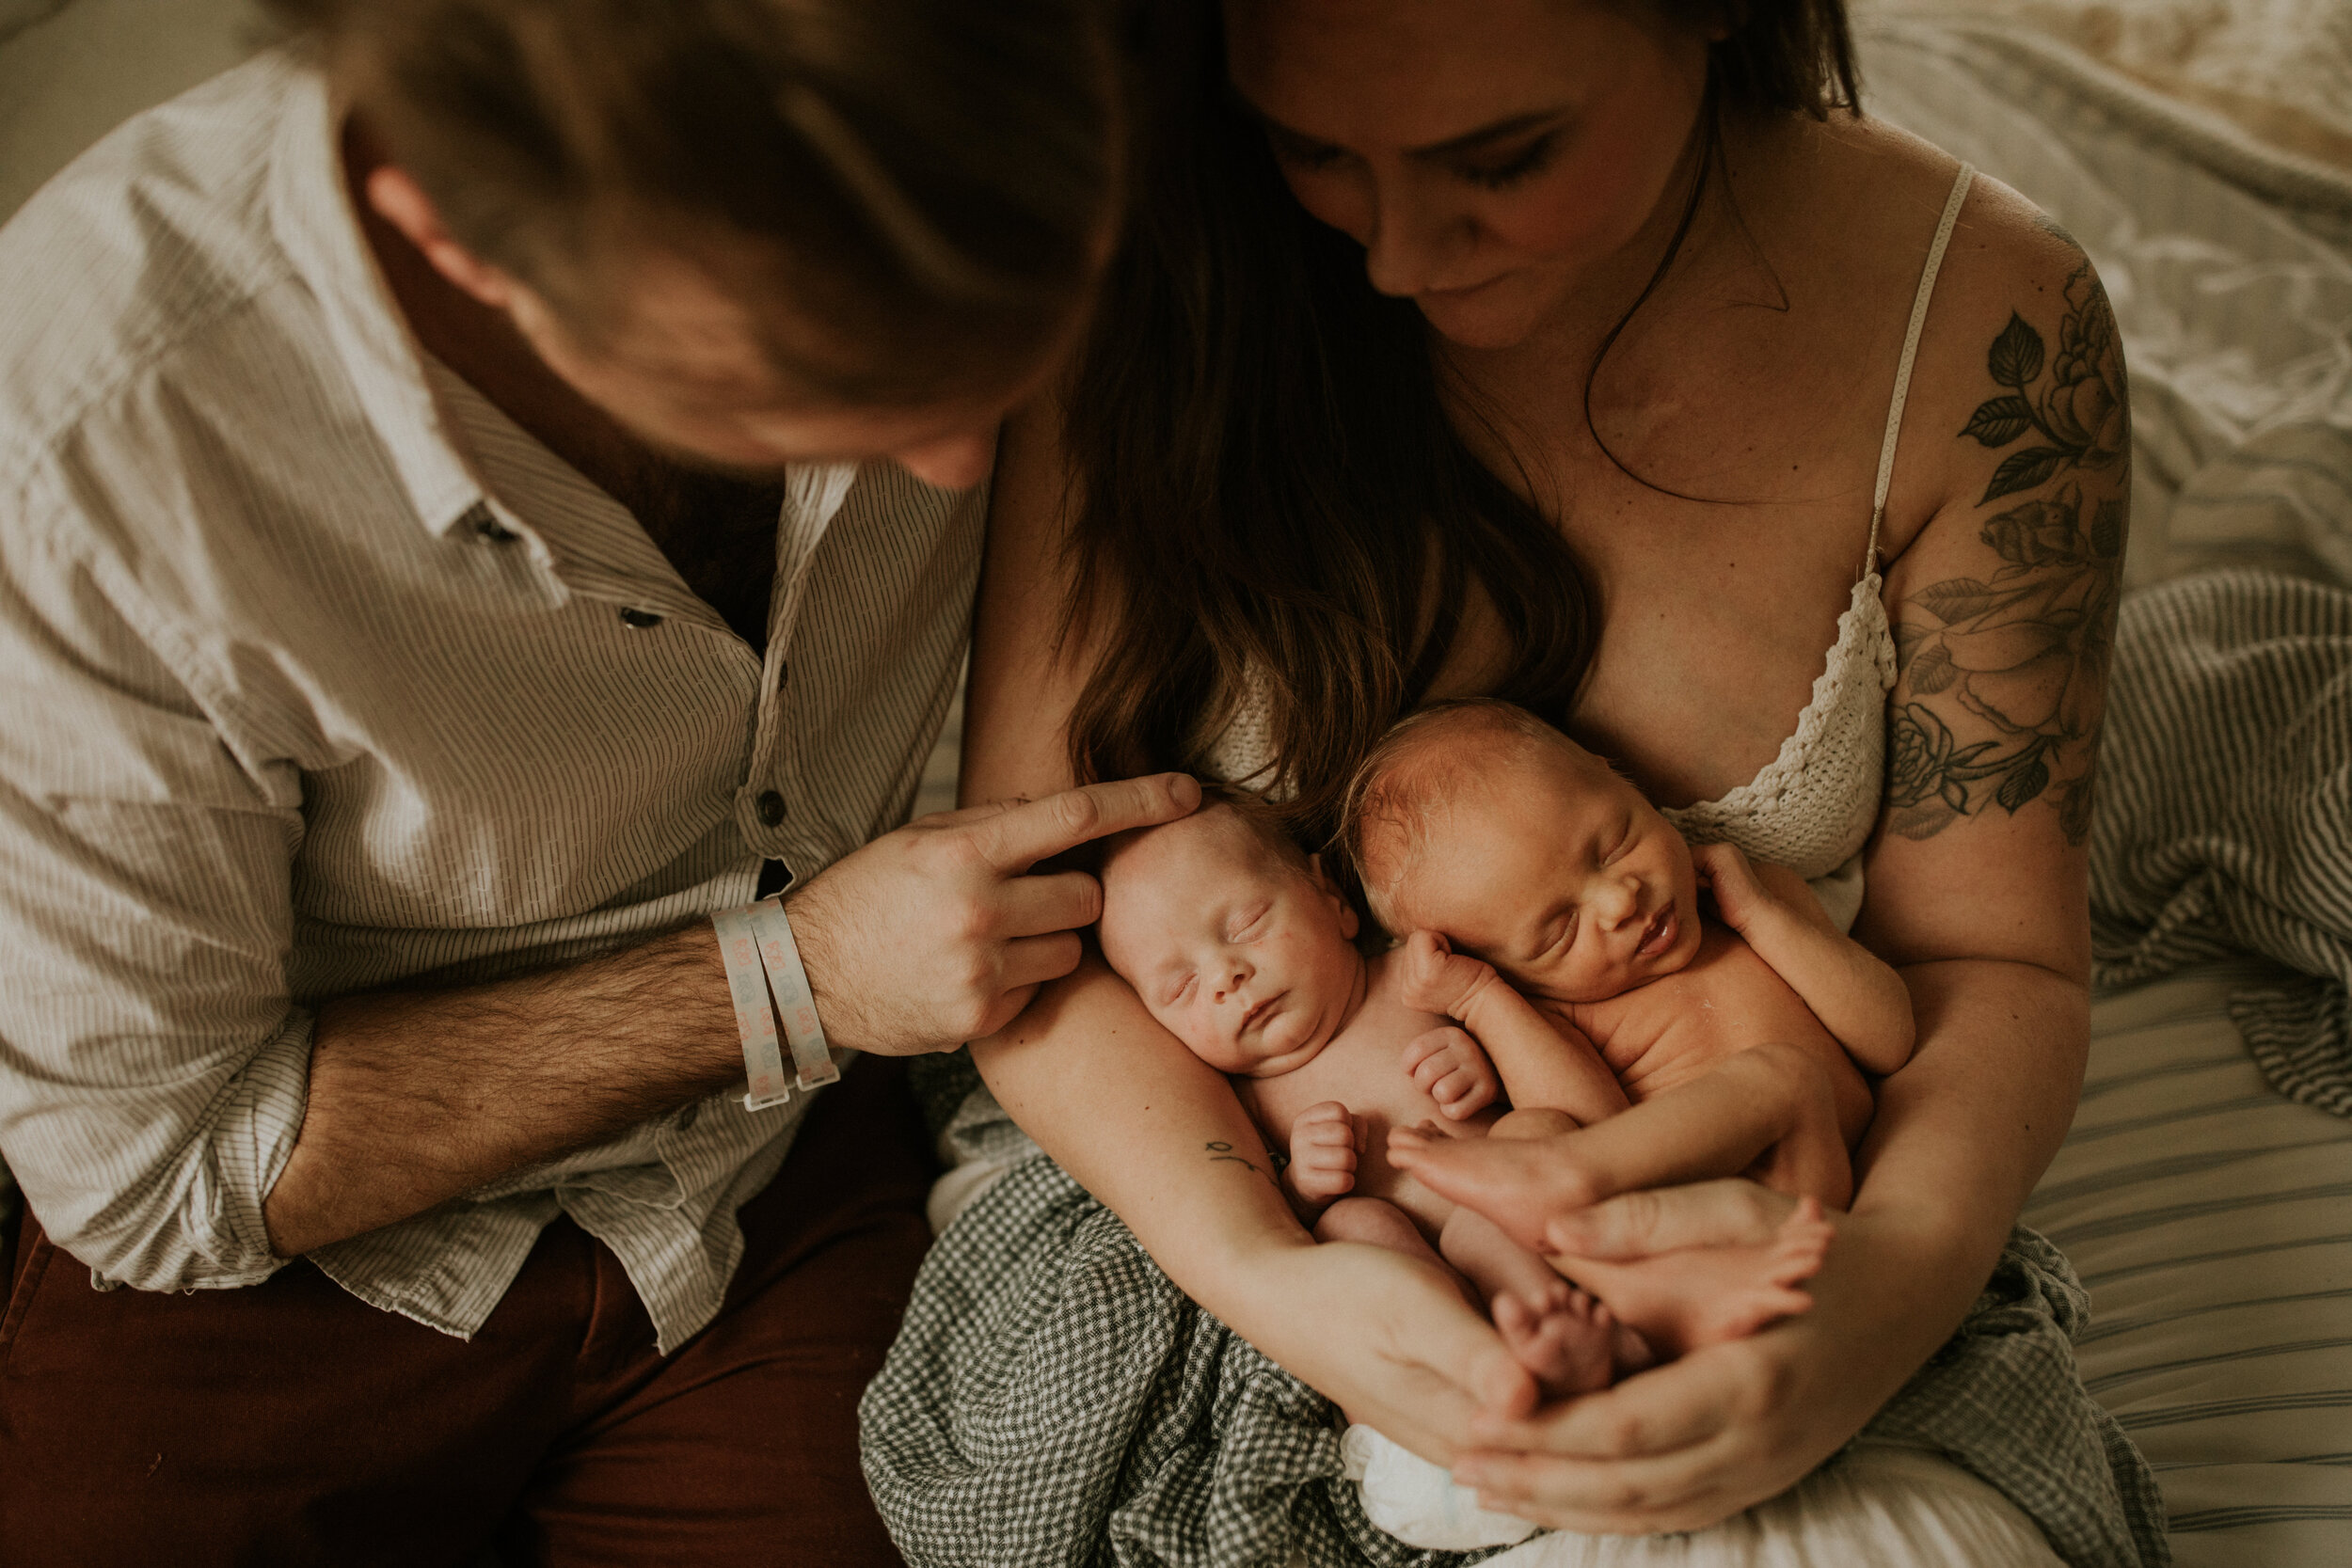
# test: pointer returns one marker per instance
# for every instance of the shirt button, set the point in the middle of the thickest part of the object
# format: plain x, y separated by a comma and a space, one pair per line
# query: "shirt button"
770, 807
640, 620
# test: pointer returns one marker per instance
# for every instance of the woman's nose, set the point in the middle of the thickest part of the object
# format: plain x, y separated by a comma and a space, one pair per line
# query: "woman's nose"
1411, 241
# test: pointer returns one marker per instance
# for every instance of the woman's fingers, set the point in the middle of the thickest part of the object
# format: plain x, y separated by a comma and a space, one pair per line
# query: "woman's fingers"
1017, 837
1732, 1213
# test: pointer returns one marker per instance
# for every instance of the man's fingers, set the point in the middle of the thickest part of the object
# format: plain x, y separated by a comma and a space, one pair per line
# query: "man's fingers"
1731, 1212
1034, 906
1033, 961
1018, 837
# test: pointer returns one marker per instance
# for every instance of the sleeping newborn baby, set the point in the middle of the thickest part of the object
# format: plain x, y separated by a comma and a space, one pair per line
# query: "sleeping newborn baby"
1241, 946
1526, 867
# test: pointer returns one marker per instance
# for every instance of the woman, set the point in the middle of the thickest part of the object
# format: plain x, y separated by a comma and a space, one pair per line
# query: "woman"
1550, 349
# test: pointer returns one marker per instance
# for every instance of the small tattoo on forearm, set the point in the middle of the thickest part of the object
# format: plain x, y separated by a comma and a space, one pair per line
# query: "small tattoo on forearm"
1225, 1151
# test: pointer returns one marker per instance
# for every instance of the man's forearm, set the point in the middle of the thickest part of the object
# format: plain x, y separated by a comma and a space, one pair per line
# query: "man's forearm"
415, 1097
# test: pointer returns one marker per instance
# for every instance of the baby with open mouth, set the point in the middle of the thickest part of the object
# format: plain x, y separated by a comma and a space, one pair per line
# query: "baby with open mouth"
1502, 845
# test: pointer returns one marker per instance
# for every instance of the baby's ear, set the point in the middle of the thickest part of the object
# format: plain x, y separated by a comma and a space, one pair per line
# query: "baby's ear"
1330, 889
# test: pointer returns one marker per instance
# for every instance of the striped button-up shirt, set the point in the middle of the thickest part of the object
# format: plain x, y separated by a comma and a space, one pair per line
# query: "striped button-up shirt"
318, 674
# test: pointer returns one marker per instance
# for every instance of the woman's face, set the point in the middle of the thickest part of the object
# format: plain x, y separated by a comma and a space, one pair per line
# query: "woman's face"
1492, 156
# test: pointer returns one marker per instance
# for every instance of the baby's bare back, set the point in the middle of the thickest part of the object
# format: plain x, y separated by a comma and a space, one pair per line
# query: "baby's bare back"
1363, 1068
1726, 1000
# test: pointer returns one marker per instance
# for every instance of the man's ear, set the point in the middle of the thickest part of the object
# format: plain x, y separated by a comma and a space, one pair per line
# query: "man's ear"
402, 203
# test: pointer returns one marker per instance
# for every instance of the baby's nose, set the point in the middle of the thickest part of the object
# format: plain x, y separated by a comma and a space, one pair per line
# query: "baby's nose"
1619, 901
1236, 975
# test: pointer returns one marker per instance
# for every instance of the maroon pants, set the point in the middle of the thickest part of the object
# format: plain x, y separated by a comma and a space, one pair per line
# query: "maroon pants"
291, 1423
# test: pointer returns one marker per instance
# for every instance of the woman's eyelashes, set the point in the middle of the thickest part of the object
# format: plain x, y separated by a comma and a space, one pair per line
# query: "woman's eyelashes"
1527, 162
1489, 173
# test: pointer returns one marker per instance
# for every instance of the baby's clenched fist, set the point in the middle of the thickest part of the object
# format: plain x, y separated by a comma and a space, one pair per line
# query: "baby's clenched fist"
1440, 981
1325, 1142
1452, 1070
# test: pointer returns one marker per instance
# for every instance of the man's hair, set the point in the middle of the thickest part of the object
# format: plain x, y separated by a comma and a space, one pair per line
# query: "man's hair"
1415, 766
925, 187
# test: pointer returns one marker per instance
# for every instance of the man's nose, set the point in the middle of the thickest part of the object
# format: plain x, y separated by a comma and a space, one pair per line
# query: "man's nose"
952, 463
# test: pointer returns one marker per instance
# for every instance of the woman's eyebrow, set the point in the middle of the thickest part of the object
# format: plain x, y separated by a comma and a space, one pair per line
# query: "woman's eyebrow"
1468, 141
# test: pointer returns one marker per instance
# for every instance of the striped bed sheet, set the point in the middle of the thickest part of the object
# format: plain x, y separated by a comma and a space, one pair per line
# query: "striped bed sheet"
2207, 1215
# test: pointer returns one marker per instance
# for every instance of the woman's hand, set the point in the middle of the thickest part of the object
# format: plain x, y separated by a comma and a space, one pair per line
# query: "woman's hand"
1690, 1444
1387, 1337
937, 934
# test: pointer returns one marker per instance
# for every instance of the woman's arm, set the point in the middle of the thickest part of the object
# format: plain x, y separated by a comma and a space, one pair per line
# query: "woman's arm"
1145, 1126
2004, 607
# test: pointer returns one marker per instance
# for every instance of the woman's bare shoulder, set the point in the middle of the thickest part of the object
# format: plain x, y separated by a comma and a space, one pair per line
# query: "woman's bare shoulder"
2019, 372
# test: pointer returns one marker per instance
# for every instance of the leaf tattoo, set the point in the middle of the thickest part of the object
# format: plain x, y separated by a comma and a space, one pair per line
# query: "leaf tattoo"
2080, 413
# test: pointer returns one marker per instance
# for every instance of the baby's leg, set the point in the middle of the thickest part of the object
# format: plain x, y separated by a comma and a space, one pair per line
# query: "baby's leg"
1557, 1333
1679, 1301
1769, 1110
1376, 1222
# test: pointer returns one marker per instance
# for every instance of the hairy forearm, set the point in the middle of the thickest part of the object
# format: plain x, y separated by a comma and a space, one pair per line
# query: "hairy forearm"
1966, 1129
415, 1097
1149, 1129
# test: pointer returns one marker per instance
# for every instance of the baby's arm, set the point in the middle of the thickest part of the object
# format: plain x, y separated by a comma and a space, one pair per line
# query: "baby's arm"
1854, 994
1544, 1064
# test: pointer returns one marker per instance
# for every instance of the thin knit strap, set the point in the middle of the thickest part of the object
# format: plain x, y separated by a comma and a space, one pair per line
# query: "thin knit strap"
1911, 353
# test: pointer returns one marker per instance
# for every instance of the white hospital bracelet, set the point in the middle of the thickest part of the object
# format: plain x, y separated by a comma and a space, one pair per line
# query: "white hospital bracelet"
755, 1017
788, 982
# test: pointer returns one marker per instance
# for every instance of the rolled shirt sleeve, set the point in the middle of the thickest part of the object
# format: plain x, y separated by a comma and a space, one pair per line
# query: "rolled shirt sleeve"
153, 1065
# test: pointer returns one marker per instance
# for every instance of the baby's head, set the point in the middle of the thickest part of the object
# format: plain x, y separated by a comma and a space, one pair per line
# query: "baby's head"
1236, 940
1482, 822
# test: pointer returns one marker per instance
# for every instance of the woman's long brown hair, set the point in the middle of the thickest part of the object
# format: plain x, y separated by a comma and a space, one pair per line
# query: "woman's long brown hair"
1269, 480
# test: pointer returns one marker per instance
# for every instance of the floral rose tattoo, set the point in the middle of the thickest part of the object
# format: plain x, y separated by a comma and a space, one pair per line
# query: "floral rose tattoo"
2003, 676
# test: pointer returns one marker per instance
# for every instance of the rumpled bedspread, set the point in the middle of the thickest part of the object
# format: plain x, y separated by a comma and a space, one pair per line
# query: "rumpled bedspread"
2224, 821
1055, 1401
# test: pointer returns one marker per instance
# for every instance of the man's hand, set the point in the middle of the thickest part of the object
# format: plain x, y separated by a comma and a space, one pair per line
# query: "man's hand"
1325, 1142
937, 934
1453, 1070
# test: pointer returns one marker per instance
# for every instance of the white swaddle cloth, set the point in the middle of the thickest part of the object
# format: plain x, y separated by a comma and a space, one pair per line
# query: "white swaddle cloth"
1877, 1504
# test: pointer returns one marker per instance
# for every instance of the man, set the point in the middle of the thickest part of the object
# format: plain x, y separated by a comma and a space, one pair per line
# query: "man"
481, 490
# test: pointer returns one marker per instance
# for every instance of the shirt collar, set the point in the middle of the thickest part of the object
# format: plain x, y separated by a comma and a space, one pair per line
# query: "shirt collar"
311, 210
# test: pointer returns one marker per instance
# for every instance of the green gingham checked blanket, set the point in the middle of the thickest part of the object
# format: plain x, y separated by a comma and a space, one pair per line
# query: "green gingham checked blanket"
1055, 1401
2225, 807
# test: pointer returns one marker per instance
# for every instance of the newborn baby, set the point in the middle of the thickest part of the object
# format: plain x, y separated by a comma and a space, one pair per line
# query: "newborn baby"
1241, 946
1515, 854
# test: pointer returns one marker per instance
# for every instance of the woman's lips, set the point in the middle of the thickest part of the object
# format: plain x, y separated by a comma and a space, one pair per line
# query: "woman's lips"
1657, 937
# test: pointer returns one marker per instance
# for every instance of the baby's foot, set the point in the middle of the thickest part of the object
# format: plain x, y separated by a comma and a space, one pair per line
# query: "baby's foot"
1770, 1294
1519, 1184
1706, 1295
1570, 1345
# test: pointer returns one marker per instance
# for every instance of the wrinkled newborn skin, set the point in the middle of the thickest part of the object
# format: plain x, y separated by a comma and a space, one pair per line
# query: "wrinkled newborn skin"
1250, 961
1243, 949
